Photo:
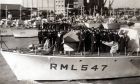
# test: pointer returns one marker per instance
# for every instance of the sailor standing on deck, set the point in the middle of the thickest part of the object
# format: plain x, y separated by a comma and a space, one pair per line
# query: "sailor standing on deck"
123, 43
40, 36
60, 42
93, 43
1, 23
81, 46
113, 45
46, 44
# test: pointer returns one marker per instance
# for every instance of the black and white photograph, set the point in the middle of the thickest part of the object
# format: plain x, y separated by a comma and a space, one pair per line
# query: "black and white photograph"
69, 41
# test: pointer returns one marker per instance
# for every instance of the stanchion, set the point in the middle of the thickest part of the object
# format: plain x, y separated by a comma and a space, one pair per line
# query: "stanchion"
36, 50
84, 49
125, 52
1, 39
69, 53
137, 53
98, 51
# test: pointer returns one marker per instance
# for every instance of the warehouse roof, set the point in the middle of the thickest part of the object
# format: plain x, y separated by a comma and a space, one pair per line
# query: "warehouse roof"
11, 6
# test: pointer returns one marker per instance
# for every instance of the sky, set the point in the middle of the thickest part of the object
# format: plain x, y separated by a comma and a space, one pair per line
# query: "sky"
126, 3
28, 3
11, 1
116, 4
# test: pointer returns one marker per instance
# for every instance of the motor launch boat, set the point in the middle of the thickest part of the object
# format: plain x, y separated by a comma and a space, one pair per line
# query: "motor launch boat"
6, 32
42, 67
35, 66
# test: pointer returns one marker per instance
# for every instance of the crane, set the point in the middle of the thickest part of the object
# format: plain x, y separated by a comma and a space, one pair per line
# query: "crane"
110, 5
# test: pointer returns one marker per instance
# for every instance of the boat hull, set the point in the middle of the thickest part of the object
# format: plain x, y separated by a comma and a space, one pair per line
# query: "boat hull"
94, 25
25, 32
40, 67
6, 32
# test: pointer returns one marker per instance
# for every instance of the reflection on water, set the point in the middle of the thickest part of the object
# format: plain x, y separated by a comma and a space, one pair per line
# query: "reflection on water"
12, 42
132, 80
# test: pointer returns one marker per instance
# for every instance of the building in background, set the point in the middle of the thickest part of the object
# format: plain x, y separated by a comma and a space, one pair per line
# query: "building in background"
65, 7
16, 10
80, 7
13, 9
60, 7
94, 6
126, 11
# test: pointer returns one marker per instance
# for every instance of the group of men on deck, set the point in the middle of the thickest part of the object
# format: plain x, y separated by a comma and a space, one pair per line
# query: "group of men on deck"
90, 40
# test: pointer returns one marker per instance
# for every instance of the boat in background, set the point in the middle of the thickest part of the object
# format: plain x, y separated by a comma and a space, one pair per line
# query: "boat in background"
25, 32
113, 26
6, 32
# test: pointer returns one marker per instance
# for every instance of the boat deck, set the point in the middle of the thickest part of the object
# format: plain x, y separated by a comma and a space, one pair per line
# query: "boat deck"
74, 54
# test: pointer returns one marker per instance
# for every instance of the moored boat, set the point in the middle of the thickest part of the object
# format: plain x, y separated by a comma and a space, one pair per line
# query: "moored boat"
25, 32
42, 67
6, 32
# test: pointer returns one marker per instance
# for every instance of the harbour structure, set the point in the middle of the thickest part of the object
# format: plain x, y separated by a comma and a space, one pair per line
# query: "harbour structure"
94, 6
16, 11
60, 6
13, 9
66, 7
127, 11
84, 6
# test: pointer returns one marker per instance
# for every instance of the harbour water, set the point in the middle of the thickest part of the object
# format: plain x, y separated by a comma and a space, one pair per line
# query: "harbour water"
8, 77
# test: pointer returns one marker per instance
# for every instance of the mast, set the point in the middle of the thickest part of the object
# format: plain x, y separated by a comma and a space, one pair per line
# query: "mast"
42, 4
81, 11
0, 11
37, 9
110, 5
6, 11
48, 8
134, 11
1, 39
20, 11
67, 9
27, 6
54, 6
104, 3
101, 11
31, 9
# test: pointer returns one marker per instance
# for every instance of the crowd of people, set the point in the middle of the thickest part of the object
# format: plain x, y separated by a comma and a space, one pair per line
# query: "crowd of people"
52, 31
34, 22
91, 40
52, 35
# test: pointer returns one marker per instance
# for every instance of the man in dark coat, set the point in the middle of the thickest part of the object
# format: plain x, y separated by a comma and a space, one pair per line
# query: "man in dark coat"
123, 43
93, 43
82, 41
40, 37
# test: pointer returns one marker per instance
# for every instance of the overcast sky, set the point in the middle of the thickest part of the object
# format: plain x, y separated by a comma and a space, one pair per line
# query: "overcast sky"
126, 3
11, 1
116, 4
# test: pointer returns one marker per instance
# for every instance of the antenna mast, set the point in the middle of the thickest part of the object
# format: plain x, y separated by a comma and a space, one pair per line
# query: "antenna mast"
110, 6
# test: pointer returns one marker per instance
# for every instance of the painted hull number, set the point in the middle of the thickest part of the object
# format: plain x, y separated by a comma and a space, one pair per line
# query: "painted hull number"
73, 67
